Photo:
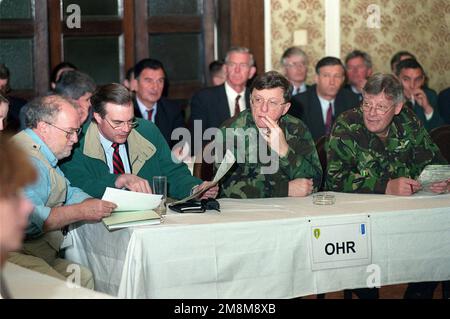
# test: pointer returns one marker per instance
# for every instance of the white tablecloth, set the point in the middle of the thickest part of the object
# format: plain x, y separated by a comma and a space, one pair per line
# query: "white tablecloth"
258, 248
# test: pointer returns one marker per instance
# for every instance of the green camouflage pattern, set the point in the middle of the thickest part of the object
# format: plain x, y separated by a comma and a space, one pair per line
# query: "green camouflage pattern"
246, 180
360, 162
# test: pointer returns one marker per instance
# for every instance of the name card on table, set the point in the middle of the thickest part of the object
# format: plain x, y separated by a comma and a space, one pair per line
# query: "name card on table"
340, 242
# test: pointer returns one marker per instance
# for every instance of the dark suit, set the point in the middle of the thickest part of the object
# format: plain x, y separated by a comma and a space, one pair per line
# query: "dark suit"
210, 105
444, 105
169, 116
306, 106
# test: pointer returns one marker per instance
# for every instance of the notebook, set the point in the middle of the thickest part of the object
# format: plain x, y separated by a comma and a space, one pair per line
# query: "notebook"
125, 219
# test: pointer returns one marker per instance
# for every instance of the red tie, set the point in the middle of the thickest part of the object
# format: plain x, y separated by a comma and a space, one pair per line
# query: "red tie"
237, 109
329, 120
150, 114
117, 161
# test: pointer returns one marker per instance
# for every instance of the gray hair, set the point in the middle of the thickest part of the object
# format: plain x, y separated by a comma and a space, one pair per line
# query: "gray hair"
74, 84
239, 50
359, 54
293, 51
384, 83
42, 109
273, 80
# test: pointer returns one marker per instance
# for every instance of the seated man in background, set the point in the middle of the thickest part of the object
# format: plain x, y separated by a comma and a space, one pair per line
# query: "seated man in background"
295, 63
149, 103
422, 101
382, 148
78, 87
53, 124
358, 66
15, 173
324, 101
293, 168
118, 150
130, 82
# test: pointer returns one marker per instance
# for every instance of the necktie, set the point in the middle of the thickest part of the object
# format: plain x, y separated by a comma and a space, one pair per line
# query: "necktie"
150, 114
329, 120
296, 91
237, 109
117, 161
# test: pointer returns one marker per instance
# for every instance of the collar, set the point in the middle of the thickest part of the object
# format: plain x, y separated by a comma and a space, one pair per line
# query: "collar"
45, 150
231, 93
144, 108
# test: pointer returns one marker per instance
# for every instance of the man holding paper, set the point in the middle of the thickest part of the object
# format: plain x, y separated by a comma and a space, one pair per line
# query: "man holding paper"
121, 151
380, 147
53, 125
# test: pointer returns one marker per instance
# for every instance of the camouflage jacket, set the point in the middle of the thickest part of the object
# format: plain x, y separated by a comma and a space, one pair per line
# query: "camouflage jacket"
359, 162
259, 172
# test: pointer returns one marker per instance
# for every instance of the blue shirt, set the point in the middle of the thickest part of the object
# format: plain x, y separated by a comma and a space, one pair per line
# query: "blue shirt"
39, 192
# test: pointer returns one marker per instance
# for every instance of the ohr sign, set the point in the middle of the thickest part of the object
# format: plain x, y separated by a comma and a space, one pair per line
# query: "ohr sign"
338, 245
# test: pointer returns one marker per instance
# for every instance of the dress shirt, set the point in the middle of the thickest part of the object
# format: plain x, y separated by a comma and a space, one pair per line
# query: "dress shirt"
109, 150
144, 109
231, 96
325, 104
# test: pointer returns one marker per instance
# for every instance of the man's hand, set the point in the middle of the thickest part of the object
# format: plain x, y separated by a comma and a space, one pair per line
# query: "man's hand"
402, 186
95, 209
133, 183
421, 98
300, 187
440, 187
210, 193
275, 137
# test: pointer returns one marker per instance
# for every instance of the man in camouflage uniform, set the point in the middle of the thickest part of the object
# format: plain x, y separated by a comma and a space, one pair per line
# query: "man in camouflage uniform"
276, 156
382, 148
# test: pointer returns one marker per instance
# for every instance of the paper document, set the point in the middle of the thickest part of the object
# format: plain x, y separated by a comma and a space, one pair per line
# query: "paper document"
224, 167
131, 201
432, 174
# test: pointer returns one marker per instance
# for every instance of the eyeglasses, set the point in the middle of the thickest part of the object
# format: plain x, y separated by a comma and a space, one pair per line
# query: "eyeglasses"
379, 109
241, 65
295, 65
120, 124
258, 101
69, 134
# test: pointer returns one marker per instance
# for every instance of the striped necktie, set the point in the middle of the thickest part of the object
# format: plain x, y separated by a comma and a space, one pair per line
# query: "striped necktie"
329, 119
237, 109
117, 161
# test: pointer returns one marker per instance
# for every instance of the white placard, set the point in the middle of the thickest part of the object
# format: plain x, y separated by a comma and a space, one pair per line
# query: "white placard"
339, 243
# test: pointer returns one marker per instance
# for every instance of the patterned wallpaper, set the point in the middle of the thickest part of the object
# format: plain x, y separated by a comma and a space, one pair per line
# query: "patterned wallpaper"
420, 27
291, 15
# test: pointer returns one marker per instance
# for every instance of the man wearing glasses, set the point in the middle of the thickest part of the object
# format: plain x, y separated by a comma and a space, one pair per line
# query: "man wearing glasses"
120, 151
295, 63
53, 125
266, 126
380, 147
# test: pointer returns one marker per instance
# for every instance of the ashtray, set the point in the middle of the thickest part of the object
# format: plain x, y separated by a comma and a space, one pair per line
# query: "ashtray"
324, 199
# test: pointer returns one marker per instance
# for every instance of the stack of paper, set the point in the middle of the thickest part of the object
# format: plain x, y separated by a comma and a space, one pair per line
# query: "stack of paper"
433, 174
133, 209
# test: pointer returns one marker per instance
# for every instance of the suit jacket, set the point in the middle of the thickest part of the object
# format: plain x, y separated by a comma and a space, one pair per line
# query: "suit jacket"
210, 106
169, 116
444, 105
306, 106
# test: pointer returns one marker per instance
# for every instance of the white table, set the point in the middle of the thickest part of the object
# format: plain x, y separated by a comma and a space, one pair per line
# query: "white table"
258, 248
